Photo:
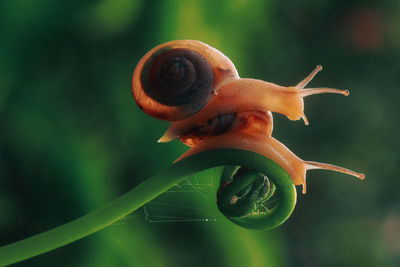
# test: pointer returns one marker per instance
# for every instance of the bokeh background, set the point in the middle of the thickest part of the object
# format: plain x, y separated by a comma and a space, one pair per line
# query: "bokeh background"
72, 138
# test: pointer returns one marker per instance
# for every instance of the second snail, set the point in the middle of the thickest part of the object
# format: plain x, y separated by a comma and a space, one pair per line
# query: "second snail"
198, 89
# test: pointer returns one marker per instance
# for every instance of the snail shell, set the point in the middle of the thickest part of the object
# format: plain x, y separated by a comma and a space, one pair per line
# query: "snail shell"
253, 123
176, 79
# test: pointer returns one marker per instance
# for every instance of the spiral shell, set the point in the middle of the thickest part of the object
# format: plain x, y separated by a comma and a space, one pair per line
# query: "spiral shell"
176, 79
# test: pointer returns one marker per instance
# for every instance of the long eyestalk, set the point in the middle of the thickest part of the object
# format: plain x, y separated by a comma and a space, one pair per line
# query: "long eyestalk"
301, 92
312, 165
308, 79
315, 91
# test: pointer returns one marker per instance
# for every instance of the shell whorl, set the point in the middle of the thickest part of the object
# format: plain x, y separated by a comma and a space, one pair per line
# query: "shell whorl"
175, 80
178, 77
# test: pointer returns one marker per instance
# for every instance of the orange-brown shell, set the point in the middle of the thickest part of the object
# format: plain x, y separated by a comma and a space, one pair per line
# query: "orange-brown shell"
253, 123
222, 68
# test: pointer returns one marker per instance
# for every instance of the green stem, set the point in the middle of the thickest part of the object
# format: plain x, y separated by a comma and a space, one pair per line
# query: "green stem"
144, 193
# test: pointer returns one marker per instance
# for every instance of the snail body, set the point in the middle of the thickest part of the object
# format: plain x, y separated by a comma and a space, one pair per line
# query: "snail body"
198, 89
272, 149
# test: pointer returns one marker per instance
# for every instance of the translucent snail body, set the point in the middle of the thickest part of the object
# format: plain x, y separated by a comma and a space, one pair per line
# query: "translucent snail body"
198, 89
272, 149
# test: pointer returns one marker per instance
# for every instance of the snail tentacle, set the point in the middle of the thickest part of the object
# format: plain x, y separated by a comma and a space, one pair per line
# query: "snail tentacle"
309, 78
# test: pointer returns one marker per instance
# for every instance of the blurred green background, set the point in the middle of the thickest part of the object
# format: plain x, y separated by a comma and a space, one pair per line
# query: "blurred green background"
72, 138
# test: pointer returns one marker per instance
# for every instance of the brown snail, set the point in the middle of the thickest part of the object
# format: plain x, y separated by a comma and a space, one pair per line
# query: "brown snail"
199, 90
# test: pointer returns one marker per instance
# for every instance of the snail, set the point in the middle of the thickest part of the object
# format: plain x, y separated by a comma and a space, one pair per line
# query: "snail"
198, 89
226, 121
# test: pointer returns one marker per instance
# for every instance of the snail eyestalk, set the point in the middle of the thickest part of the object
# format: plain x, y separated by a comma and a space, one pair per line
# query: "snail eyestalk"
315, 91
309, 78
312, 165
